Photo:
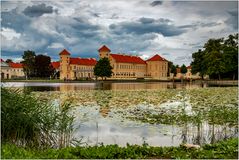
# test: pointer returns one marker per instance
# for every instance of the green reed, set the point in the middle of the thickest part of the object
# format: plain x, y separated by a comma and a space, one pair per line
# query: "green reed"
27, 121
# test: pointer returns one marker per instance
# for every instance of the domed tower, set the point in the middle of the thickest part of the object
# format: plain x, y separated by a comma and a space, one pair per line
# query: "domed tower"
104, 51
64, 64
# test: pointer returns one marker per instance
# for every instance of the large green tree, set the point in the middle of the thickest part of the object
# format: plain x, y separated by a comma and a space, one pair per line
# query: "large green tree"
198, 63
230, 55
29, 63
172, 68
218, 59
103, 68
183, 69
214, 57
43, 66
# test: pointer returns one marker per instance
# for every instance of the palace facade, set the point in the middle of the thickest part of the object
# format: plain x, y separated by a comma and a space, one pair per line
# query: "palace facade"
11, 70
75, 68
124, 66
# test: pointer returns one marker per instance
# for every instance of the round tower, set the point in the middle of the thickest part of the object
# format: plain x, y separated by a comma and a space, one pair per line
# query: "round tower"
104, 51
64, 64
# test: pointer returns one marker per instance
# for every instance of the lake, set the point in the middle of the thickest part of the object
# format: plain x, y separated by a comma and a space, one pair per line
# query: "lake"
157, 113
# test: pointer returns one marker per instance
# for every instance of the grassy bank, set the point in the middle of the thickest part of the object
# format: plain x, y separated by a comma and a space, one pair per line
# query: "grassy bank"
222, 150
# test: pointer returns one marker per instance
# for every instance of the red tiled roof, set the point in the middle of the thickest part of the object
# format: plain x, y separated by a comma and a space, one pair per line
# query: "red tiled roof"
16, 65
157, 58
104, 48
64, 52
55, 65
83, 61
189, 67
127, 59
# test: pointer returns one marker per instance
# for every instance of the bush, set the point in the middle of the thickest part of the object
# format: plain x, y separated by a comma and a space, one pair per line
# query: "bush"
27, 121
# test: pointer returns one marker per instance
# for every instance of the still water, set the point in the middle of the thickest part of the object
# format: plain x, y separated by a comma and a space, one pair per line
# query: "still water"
66, 87
95, 124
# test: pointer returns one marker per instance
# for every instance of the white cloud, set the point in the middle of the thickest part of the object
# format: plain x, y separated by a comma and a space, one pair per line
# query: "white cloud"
50, 32
9, 33
56, 45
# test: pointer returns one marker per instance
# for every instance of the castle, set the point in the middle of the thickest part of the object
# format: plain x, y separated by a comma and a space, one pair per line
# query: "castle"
124, 66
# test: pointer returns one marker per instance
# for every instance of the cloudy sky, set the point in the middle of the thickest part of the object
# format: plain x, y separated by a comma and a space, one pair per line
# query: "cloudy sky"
173, 29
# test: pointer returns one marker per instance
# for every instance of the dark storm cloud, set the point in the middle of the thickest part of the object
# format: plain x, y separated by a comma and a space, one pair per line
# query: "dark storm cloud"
233, 19
148, 25
84, 29
38, 10
200, 25
14, 20
156, 3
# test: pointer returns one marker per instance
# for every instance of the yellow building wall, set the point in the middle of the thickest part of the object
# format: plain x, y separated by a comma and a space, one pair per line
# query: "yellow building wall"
104, 54
6, 72
127, 70
17, 72
65, 67
81, 71
157, 69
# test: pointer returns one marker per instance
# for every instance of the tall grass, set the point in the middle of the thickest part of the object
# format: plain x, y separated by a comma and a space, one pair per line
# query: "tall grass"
27, 121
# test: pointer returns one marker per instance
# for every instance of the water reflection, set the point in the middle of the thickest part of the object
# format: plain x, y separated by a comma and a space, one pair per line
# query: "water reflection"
117, 130
66, 87
103, 99
100, 124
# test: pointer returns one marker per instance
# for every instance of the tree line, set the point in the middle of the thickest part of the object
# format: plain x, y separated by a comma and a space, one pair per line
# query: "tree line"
218, 58
36, 65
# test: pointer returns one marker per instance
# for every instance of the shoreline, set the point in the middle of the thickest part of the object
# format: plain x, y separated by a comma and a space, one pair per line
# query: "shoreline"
210, 82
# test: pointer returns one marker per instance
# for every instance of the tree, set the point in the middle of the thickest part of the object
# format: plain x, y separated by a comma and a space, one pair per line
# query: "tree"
230, 55
214, 57
198, 63
9, 61
28, 63
183, 69
103, 68
219, 58
172, 68
43, 66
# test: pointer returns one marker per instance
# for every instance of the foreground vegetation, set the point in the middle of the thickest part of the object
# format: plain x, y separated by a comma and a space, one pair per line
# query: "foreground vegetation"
29, 122
224, 149
32, 127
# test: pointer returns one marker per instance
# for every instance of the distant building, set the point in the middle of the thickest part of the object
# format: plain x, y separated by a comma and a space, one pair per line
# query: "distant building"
11, 70
16, 70
127, 66
56, 67
75, 68
188, 74
124, 66
5, 70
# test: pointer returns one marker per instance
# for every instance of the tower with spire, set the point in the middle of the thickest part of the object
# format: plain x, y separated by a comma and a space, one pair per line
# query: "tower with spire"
104, 51
65, 64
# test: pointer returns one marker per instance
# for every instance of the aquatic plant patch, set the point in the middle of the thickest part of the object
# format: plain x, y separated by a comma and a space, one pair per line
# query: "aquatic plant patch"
214, 105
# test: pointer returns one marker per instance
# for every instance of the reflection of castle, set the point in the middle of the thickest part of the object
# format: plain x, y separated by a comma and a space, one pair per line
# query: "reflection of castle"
124, 66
